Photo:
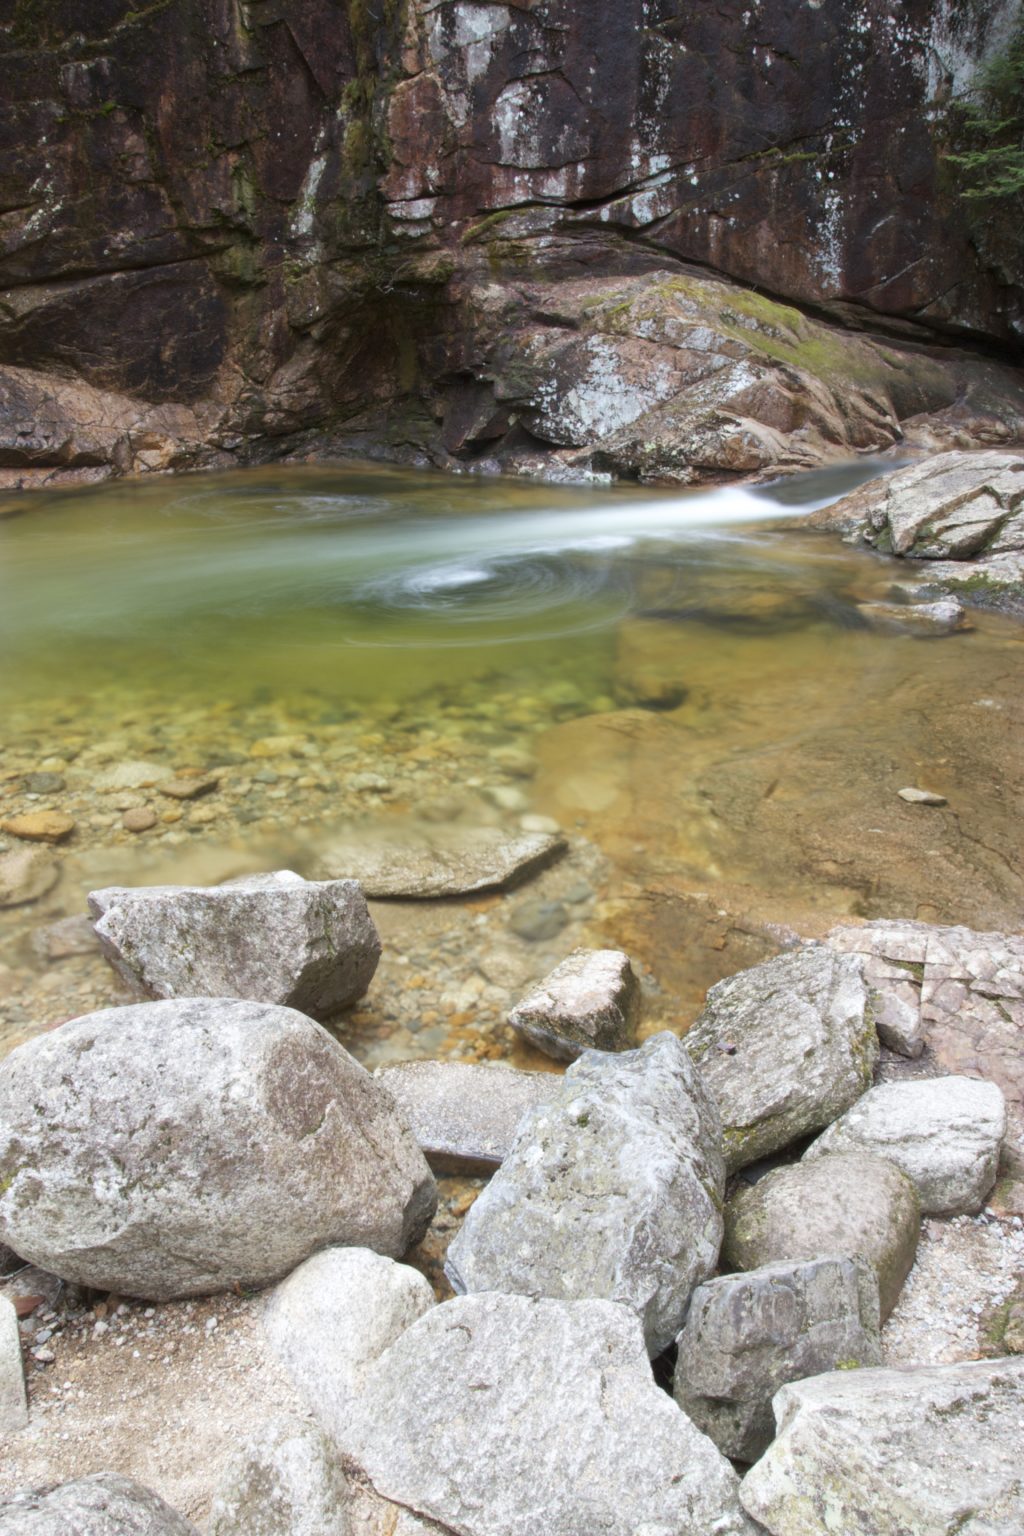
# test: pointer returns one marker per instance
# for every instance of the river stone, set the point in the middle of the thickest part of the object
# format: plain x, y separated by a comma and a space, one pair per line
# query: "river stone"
453, 862
331, 1319
590, 1001
847, 1203
25, 875
747, 1334
269, 938
286, 1482
945, 616
40, 826
13, 1402
514, 1416
784, 1048
612, 1188
464, 1114
102, 1505
929, 1451
944, 1132
178, 1148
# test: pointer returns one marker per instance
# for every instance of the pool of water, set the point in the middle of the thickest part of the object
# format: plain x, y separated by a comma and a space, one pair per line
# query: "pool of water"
689, 683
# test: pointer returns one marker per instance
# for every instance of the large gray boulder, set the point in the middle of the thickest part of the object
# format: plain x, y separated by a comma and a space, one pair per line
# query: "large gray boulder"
944, 1132
287, 1481
784, 1048
13, 1402
102, 1505
508, 1416
331, 1319
310, 945
930, 1451
591, 1001
747, 1334
176, 1148
464, 1114
612, 1188
848, 1203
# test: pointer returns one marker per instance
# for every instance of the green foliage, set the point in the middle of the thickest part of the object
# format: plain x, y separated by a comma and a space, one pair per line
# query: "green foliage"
986, 127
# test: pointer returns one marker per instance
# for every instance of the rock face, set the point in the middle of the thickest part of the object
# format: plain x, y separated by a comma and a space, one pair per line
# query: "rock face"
944, 1132
464, 1114
612, 1188
176, 1148
928, 1449
784, 1048
269, 938
847, 1203
328, 1322
746, 1335
591, 1001
103, 1505
13, 1402
453, 863
315, 214
506, 1416
285, 1482
962, 512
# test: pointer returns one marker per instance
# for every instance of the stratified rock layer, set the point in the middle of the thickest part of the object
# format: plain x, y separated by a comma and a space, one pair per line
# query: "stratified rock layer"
176, 1148
929, 1450
270, 938
612, 1188
784, 1048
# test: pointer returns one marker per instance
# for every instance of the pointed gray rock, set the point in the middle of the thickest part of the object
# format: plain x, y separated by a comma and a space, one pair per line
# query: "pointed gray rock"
177, 1148
784, 1048
310, 945
591, 1001
612, 1188
505, 1416
747, 1334
944, 1132
929, 1451
103, 1505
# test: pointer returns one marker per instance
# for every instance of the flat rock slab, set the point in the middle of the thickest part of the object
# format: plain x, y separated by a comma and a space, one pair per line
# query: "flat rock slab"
944, 1132
612, 1188
102, 1505
932, 1450
591, 1001
848, 1203
784, 1048
464, 1114
286, 1482
13, 1401
268, 938
178, 1148
454, 863
510, 1416
748, 1334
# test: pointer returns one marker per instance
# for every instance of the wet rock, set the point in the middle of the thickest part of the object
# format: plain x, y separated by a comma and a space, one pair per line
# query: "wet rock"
140, 818
187, 788
945, 616
66, 937
40, 826
331, 1319
914, 796
591, 1001
134, 774
25, 875
453, 863
271, 938
944, 1132
178, 1148
850, 1203
784, 1048
747, 1334
286, 1482
464, 1114
105, 1504
929, 1449
43, 783
536, 920
453, 1417
611, 1188
13, 1400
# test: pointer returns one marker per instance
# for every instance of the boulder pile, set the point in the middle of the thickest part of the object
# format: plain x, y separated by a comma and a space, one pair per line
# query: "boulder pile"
748, 1198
